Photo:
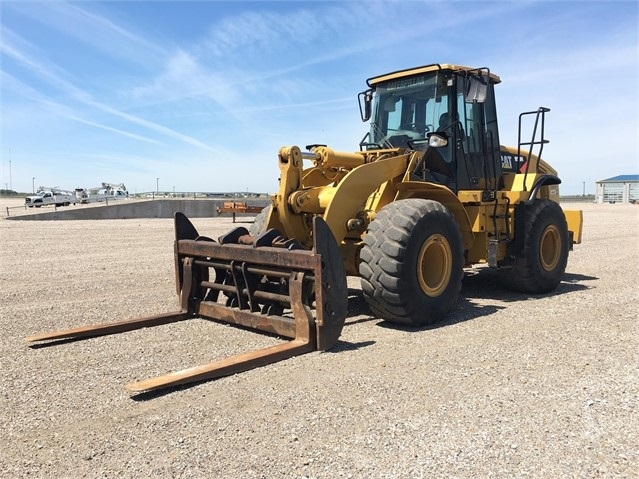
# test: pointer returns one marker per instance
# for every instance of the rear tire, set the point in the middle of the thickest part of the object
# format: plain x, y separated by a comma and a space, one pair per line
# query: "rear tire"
545, 252
412, 262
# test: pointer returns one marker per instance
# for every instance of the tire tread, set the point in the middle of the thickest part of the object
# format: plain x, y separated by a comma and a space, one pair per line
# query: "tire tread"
382, 269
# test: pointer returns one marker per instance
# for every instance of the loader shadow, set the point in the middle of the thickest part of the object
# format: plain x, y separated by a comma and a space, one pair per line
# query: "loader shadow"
484, 284
463, 311
357, 308
480, 285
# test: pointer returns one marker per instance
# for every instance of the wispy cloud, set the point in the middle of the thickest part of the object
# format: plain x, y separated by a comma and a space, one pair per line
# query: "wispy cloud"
255, 31
184, 77
11, 47
86, 98
246, 57
65, 112
91, 29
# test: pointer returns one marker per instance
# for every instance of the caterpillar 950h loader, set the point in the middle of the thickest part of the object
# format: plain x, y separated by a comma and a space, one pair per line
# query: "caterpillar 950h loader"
430, 192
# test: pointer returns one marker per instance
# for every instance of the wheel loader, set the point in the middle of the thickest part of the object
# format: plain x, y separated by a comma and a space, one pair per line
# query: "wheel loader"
429, 193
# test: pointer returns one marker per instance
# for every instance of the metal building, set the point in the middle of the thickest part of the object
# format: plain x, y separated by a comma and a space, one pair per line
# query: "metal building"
618, 189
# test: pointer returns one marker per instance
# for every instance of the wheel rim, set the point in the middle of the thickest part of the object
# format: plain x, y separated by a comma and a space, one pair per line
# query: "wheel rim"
550, 248
435, 265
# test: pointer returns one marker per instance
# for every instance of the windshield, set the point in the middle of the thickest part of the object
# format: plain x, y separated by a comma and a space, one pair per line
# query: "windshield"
407, 108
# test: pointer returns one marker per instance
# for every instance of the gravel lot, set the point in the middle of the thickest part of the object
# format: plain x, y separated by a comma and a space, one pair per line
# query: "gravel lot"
508, 386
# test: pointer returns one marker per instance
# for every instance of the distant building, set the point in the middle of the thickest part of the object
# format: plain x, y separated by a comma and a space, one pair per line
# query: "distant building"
618, 189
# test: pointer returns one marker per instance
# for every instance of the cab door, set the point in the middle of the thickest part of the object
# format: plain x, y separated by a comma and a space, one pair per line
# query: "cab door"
478, 155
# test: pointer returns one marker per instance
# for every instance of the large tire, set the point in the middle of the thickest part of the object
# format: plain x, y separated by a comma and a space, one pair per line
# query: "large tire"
545, 254
412, 262
259, 223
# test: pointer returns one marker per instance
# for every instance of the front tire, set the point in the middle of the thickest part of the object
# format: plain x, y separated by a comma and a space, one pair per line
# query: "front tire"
412, 262
542, 264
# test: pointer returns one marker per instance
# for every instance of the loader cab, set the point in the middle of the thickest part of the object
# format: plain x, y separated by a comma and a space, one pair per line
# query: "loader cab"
456, 103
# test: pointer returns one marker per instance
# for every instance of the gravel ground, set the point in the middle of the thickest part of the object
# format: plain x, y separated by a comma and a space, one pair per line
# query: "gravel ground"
508, 386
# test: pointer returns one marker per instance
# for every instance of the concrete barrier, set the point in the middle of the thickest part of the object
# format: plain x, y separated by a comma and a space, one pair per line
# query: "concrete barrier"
159, 208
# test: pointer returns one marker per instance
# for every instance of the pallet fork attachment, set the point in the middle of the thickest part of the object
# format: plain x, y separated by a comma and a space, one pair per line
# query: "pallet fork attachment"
266, 288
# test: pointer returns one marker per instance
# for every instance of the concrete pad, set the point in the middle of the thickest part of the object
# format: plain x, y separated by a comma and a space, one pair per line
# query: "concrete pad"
159, 208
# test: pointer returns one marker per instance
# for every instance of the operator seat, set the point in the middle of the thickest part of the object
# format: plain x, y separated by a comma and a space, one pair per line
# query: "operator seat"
447, 125
444, 121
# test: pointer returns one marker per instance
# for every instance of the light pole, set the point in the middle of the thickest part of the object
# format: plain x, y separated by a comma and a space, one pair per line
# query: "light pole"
157, 185
584, 193
33, 184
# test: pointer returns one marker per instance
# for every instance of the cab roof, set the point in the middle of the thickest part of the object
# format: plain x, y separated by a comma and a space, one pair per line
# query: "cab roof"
427, 68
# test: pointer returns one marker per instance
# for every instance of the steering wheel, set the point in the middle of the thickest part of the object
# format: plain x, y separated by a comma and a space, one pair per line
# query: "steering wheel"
416, 127
398, 138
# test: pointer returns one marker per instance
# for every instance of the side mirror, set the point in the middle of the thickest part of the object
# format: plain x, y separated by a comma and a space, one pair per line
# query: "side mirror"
437, 139
365, 99
476, 90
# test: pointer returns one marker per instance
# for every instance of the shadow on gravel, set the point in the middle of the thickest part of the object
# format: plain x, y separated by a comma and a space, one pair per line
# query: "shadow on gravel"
483, 284
477, 284
56, 342
464, 310
357, 307
342, 346
149, 395
573, 277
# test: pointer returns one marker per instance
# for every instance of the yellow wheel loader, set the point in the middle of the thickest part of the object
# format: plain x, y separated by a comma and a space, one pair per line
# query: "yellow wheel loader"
429, 192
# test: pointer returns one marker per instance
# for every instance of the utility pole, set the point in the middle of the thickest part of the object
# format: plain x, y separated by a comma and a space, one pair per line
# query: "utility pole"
157, 185
584, 191
33, 184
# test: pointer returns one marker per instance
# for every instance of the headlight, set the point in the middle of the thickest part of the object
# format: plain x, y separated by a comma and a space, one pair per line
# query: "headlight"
435, 140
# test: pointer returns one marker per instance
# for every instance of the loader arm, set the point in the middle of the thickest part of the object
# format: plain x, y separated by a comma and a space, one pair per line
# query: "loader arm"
354, 190
354, 176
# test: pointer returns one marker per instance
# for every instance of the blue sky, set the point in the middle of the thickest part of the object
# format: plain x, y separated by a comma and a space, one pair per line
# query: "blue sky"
203, 94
